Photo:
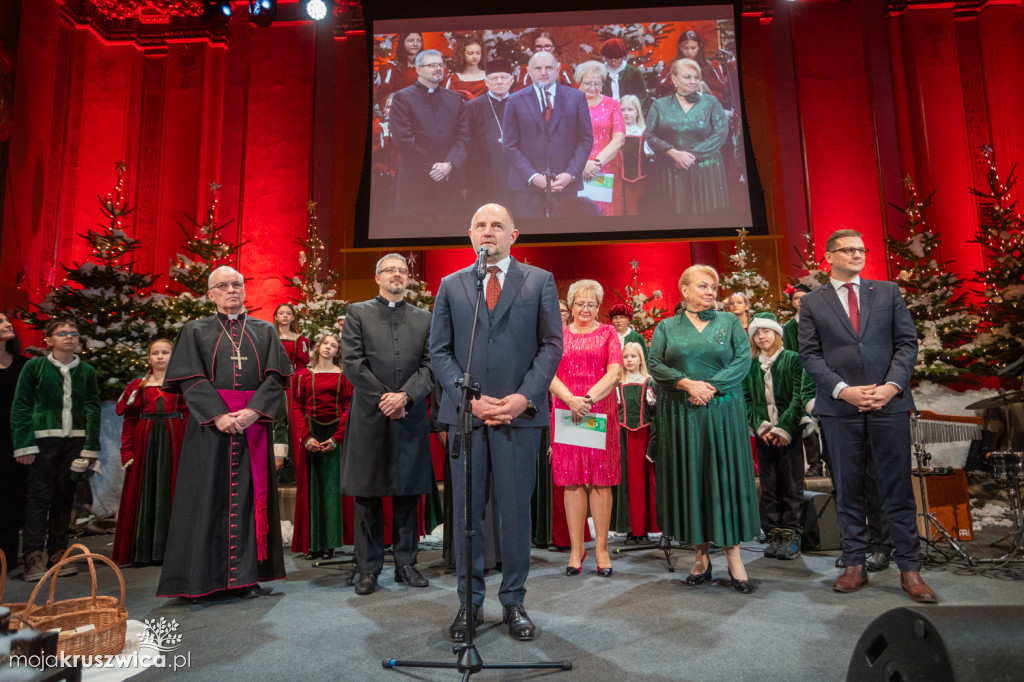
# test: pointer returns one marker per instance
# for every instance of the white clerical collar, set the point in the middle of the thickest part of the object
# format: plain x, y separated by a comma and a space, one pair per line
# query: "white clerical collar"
497, 99
234, 317
392, 304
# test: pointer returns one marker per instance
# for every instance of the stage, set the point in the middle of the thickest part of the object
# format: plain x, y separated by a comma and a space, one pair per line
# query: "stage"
641, 623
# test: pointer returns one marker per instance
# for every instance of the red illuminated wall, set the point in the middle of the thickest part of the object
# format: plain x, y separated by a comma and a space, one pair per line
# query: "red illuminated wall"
843, 100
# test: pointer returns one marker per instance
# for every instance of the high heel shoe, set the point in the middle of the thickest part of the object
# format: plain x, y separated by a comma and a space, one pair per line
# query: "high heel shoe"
576, 570
741, 586
605, 572
695, 579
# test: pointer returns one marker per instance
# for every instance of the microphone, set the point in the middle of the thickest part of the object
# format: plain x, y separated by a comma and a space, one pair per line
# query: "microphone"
481, 262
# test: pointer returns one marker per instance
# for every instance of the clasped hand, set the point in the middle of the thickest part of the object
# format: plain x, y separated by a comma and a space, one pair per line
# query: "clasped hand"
580, 407
313, 445
561, 181
495, 412
392, 405
235, 423
440, 171
701, 392
683, 159
868, 398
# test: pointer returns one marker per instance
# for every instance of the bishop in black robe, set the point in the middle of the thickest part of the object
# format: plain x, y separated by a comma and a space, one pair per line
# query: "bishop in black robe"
486, 169
225, 528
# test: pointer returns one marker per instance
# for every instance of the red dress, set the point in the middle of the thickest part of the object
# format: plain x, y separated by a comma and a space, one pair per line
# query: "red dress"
585, 359
391, 78
606, 119
319, 409
151, 435
468, 89
298, 351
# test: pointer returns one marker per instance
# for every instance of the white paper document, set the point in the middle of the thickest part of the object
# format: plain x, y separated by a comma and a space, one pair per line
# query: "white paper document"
598, 188
590, 433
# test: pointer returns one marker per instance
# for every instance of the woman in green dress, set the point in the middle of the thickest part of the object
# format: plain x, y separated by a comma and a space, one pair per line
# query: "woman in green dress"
703, 471
686, 130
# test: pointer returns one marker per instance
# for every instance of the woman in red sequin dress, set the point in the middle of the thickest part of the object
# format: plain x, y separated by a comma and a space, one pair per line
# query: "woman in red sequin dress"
587, 375
151, 435
609, 133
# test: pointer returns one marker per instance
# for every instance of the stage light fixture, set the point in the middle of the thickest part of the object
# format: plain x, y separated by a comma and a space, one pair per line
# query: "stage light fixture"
316, 9
262, 12
217, 9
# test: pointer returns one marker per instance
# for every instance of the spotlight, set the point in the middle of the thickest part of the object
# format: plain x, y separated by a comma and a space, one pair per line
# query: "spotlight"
262, 12
216, 9
316, 9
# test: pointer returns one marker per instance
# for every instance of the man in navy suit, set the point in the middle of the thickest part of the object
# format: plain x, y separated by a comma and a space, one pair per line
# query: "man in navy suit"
547, 135
859, 344
516, 352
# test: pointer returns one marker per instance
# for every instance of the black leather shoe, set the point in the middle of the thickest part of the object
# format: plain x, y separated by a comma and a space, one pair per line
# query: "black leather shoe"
695, 579
367, 583
252, 592
840, 563
605, 572
411, 576
877, 561
457, 630
519, 624
741, 586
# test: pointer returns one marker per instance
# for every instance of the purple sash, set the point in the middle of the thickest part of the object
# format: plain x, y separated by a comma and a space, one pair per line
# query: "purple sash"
256, 436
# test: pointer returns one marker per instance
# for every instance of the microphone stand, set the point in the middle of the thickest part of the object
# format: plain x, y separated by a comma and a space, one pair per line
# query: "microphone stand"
468, 659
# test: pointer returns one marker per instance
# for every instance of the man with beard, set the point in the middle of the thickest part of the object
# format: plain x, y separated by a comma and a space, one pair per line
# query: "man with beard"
428, 127
225, 529
384, 352
487, 166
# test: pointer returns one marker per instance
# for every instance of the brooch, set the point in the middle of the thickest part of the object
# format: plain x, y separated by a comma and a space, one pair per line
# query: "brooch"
720, 336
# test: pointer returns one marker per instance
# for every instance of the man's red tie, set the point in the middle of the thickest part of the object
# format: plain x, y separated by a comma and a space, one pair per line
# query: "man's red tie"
547, 104
493, 287
851, 300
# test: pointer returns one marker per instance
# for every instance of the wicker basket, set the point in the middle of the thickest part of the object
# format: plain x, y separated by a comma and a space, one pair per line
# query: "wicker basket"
17, 610
108, 614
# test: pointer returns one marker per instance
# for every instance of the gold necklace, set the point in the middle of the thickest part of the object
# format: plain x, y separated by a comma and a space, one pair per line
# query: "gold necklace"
579, 330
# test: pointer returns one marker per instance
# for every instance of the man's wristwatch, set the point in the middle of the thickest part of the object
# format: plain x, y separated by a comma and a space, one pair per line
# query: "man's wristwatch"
531, 410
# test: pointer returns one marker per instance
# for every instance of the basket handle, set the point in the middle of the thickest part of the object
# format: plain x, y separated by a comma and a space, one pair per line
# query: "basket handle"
51, 575
85, 551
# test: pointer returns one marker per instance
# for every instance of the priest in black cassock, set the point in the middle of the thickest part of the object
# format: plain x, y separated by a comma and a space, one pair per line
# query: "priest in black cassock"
486, 169
385, 355
429, 130
225, 529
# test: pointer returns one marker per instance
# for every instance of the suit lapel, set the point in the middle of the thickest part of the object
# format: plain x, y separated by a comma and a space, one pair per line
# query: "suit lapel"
534, 107
468, 278
867, 295
837, 307
514, 279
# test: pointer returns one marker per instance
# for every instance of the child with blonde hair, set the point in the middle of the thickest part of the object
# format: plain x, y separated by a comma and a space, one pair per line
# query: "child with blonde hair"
636, 399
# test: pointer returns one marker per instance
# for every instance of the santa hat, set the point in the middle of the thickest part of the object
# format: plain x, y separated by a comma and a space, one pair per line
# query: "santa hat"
764, 321
614, 48
621, 309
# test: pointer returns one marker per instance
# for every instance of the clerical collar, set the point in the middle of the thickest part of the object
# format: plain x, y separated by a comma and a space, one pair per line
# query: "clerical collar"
497, 99
429, 90
390, 304
227, 316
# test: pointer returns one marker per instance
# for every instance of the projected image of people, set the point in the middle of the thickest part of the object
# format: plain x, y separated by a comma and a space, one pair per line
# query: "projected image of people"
514, 110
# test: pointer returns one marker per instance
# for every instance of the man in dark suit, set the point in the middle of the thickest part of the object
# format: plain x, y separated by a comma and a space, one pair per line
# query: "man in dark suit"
429, 130
548, 136
387, 442
517, 350
859, 344
487, 166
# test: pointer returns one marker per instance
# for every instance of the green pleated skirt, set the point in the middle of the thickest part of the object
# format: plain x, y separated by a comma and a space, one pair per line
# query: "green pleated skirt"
704, 471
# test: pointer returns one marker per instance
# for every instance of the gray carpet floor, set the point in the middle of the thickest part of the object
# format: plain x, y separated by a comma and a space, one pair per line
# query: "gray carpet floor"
641, 623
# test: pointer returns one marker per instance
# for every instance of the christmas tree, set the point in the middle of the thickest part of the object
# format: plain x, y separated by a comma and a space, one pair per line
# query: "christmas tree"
745, 278
416, 291
644, 320
930, 288
318, 307
1001, 236
811, 274
111, 303
206, 250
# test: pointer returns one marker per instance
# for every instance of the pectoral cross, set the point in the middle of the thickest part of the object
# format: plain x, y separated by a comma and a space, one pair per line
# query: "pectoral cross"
238, 357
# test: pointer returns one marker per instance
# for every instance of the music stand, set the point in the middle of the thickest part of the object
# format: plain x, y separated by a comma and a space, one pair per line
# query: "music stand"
468, 660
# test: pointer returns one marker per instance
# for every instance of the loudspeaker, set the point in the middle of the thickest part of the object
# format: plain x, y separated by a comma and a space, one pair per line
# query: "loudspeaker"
821, 525
941, 644
949, 500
